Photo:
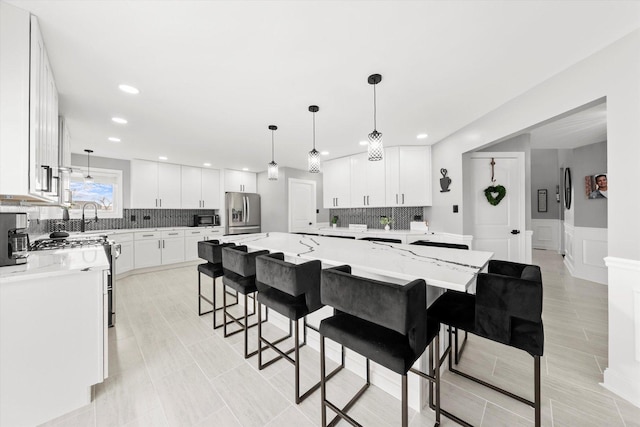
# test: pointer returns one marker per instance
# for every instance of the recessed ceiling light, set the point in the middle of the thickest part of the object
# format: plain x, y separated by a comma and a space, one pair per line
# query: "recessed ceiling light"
245, 169
129, 89
324, 153
119, 120
422, 136
114, 139
207, 164
363, 142
163, 158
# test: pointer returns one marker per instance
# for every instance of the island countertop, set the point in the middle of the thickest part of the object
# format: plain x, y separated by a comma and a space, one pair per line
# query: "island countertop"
440, 267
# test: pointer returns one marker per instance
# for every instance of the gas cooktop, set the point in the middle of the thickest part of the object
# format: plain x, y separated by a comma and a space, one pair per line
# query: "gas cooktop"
67, 243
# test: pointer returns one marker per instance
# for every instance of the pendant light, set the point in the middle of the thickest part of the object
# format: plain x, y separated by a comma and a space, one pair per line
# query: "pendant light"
375, 138
314, 155
88, 179
272, 168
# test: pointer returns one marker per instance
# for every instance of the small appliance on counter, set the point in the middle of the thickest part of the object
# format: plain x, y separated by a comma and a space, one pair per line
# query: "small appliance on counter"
14, 240
243, 213
206, 220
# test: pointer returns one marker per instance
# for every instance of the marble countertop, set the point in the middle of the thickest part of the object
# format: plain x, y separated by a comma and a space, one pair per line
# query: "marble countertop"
42, 264
441, 267
127, 230
371, 230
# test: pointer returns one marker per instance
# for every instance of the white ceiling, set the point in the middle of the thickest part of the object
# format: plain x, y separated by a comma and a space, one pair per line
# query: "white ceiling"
214, 74
575, 130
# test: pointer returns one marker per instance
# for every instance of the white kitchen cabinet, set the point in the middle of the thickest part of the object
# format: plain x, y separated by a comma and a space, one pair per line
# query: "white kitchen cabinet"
124, 262
153, 248
172, 246
64, 163
336, 183
200, 188
192, 237
408, 176
28, 110
367, 182
239, 181
155, 185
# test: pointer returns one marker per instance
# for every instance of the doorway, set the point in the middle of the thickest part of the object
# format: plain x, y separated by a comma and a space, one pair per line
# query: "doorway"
302, 205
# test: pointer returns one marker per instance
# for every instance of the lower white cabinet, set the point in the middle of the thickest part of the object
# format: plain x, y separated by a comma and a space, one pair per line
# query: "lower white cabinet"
158, 247
192, 237
124, 262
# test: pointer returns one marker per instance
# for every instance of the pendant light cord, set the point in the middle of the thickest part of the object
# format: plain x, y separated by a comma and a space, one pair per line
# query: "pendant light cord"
272, 152
314, 130
374, 106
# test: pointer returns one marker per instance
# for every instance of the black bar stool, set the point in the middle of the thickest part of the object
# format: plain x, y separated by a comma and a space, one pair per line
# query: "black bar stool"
239, 267
384, 322
292, 290
507, 308
211, 251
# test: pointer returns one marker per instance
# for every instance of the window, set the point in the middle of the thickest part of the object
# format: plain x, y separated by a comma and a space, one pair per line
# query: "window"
105, 190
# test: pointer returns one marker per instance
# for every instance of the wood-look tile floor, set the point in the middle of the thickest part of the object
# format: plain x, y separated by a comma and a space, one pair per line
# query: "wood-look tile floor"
167, 367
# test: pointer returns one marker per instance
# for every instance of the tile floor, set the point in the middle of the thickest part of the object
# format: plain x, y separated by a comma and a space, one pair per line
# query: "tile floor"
168, 368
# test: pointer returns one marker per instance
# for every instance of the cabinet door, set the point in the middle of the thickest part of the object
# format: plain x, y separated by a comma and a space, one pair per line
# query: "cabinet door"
392, 176
147, 253
375, 173
359, 180
144, 184
36, 110
336, 183
172, 250
211, 189
249, 184
232, 180
415, 176
124, 262
191, 195
191, 240
169, 183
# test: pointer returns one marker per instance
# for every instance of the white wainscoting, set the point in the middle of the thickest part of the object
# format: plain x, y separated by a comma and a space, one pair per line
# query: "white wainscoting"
546, 234
585, 250
622, 376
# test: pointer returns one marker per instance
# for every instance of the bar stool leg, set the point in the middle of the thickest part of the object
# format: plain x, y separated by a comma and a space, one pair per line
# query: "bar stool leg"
537, 409
405, 412
323, 385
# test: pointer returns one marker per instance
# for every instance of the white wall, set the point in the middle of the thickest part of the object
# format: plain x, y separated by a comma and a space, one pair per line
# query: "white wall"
612, 73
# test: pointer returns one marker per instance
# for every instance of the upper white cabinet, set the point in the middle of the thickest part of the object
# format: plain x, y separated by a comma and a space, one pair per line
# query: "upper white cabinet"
239, 181
155, 185
402, 178
408, 176
28, 110
367, 182
336, 183
200, 188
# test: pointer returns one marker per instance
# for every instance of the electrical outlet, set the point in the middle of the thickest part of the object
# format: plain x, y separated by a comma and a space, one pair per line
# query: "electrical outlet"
133, 217
147, 217
317, 211
455, 208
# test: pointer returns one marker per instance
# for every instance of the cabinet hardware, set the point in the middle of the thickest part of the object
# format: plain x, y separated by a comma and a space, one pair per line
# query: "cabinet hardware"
156, 203
147, 235
160, 202
45, 177
364, 200
158, 244
403, 198
368, 201
173, 234
396, 198
162, 243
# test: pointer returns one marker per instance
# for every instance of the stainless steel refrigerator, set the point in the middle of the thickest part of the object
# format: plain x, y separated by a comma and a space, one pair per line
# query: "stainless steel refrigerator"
243, 213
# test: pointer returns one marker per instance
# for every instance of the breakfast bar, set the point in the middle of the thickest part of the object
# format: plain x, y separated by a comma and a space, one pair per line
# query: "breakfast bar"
441, 268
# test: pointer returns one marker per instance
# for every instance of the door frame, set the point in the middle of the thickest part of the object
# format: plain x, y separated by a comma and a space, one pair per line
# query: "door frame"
315, 195
520, 157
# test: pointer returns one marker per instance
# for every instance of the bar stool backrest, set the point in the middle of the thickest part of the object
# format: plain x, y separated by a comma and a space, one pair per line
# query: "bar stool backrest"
211, 250
293, 279
238, 260
401, 308
509, 307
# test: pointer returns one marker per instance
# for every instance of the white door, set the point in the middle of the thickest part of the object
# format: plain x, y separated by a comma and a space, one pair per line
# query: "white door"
302, 205
500, 228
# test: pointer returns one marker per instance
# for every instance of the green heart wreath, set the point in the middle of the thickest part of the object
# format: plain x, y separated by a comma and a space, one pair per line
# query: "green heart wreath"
489, 191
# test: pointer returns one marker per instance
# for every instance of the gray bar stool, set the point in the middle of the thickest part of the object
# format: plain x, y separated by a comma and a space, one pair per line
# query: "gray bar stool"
239, 267
211, 251
507, 308
292, 290
382, 321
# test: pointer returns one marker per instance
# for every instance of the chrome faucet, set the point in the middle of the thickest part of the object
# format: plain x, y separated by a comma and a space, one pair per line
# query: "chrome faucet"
95, 210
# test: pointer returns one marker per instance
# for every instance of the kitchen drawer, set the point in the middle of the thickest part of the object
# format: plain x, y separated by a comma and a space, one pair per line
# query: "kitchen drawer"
146, 235
121, 237
167, 234
196, 232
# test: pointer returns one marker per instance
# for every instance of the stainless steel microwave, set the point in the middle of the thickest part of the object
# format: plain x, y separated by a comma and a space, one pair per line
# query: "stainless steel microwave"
206, 220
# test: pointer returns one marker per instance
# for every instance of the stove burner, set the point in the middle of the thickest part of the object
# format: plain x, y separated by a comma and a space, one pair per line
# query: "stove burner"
67, 243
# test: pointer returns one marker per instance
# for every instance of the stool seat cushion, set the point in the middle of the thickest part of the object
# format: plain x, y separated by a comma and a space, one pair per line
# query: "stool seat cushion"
292, 307
453, 308
382, 345
242, 284
211, 269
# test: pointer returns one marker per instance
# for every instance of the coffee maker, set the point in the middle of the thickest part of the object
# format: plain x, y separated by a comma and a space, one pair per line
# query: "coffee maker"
14, 240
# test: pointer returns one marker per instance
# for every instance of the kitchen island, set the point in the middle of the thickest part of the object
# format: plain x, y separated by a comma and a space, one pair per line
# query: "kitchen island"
441, 268
53, 333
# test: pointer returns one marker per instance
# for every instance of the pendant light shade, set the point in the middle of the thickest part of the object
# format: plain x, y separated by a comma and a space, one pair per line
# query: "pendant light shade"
314, 155
272, 168
374, 147
88, 179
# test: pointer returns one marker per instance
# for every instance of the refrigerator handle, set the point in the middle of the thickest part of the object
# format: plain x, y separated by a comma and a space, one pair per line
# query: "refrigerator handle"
248, 215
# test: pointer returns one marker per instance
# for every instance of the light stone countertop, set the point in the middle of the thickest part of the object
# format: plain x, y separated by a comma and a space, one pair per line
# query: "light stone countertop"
440, 267
43, 264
